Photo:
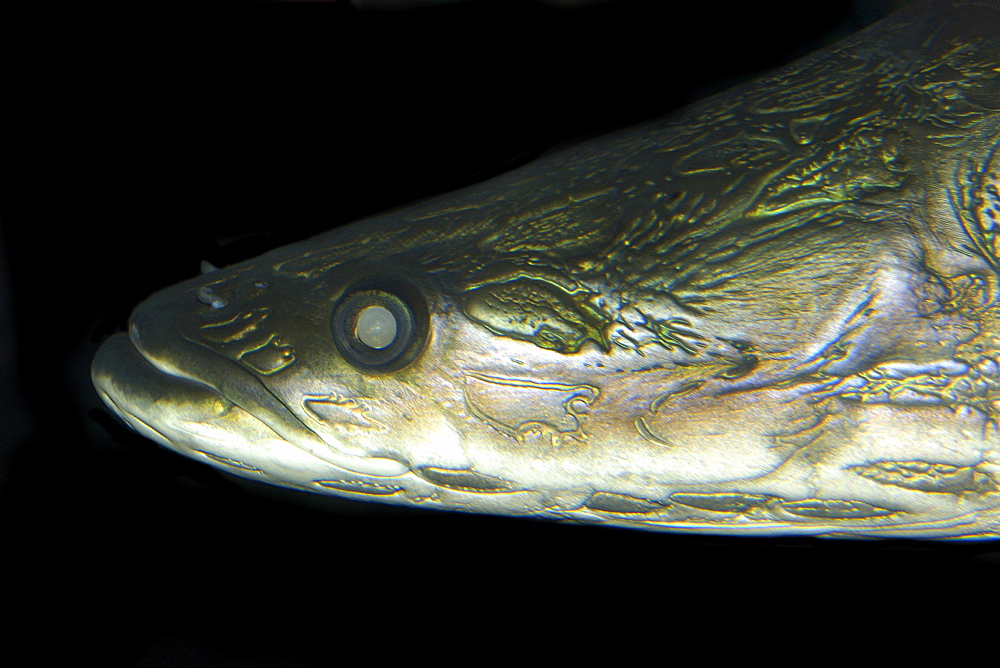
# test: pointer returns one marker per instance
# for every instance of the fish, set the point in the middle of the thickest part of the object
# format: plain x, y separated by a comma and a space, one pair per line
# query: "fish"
774, 312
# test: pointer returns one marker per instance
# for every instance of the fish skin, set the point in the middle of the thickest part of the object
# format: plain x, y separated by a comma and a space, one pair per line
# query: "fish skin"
753, 299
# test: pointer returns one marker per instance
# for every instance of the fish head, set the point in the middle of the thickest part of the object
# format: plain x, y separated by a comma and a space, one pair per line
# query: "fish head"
290, 376
697, 323
334, 367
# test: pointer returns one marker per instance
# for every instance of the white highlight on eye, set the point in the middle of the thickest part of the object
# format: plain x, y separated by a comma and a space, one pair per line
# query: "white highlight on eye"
376, 327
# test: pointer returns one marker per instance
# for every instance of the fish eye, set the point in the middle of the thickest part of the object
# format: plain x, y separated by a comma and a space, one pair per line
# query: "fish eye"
380, 323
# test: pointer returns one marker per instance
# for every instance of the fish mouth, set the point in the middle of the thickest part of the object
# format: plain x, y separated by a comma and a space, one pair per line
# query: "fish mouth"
193, 401
148, 399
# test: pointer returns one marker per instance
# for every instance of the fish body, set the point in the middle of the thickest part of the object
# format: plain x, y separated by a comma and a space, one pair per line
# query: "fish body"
774, 312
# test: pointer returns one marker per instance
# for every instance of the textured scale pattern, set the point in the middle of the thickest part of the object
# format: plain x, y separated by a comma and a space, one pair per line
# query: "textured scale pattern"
774, 312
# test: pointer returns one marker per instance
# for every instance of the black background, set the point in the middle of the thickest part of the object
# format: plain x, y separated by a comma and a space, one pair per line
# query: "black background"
141, 142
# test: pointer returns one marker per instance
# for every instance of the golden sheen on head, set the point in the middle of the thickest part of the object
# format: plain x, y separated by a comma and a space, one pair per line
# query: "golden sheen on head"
774, 312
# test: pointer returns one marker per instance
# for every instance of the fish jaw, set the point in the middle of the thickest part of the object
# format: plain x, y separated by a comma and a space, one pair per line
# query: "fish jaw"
190, 417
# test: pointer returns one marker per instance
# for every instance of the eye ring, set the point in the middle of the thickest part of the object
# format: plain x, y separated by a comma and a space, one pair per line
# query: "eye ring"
389, 301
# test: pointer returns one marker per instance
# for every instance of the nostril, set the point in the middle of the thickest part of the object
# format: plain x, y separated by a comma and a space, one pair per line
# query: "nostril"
210, 297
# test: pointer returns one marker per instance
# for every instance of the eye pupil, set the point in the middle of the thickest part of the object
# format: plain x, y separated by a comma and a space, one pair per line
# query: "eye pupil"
376, 327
